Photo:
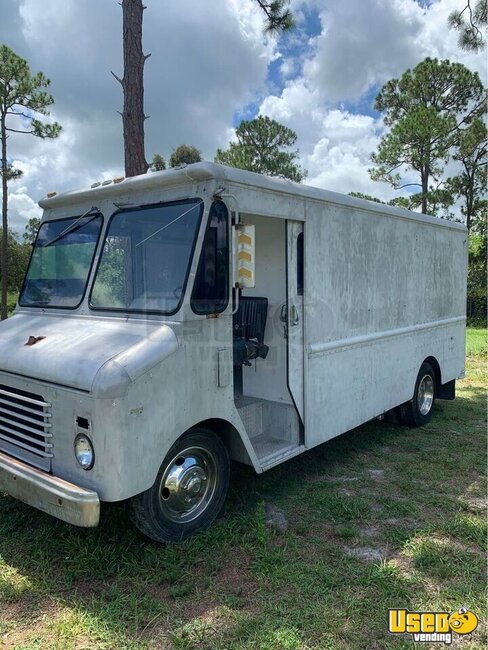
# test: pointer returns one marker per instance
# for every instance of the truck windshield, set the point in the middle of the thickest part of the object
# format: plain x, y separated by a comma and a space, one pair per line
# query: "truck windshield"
61, 262
146, 258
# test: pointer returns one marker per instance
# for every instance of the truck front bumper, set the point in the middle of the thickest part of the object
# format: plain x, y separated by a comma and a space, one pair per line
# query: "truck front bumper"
59, 498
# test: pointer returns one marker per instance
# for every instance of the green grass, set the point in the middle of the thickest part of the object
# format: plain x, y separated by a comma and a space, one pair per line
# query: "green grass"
476, 341
384, 516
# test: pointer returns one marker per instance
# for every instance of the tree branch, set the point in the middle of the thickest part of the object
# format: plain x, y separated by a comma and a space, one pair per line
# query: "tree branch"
28, 117
400, 187
9, 128
115, 77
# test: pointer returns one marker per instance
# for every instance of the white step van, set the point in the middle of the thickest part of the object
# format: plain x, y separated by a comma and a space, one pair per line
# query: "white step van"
172, 322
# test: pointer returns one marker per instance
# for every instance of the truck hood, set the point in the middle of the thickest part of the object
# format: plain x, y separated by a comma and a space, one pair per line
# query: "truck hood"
98, 355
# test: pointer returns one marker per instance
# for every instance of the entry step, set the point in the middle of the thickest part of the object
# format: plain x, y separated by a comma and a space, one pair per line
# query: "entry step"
273, 428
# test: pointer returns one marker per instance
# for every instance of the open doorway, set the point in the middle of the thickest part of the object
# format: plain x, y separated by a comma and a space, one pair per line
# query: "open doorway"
264, 396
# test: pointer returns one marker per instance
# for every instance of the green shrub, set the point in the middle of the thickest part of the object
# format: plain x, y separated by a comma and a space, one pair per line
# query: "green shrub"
11, 302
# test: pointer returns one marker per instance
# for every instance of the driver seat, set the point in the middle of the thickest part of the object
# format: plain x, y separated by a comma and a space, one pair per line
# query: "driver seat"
249, 328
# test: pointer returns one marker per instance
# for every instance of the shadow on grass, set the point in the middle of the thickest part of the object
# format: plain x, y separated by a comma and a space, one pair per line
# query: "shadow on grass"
241, 584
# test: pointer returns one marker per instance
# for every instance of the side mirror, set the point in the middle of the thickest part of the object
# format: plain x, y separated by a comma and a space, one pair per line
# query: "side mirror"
243, 246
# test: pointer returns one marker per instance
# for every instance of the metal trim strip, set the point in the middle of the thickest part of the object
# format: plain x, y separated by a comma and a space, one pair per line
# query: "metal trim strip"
23, 398
33, 450
26, 409
20, 416
315, 349
6, 422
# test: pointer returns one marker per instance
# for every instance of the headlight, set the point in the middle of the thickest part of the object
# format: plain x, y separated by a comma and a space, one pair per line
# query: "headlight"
84, 451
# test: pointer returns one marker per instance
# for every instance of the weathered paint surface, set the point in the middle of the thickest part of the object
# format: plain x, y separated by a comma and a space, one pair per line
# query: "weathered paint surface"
384, 289
382, 294
132, 348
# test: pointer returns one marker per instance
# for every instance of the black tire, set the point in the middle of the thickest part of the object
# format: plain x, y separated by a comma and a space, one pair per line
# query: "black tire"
418, 411
189, 490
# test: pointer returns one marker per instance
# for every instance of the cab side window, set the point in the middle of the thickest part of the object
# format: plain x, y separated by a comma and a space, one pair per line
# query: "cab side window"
211, 289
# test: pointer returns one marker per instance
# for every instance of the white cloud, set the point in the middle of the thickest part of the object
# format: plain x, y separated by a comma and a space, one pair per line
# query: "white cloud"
23, 206
362, 45
209, 61
289, 68
335, 144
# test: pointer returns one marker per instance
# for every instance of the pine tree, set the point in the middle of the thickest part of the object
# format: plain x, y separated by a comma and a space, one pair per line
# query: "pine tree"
278, 19
24, 101
263, 146
425, 109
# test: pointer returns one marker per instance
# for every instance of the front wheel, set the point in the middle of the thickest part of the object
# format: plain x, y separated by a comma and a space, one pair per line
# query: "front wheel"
418, 411
189, 490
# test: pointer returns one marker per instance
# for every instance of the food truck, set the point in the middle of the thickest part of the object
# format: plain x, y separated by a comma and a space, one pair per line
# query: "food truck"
173, 322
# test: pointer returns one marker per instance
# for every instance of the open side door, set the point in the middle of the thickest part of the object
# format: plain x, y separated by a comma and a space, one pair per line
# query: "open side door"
294, 312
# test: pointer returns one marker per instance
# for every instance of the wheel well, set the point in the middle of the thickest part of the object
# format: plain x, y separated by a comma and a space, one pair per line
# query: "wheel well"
437, 370
230, 437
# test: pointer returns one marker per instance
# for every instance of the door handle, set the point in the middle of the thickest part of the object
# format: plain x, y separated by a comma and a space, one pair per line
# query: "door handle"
284, 314
294, 316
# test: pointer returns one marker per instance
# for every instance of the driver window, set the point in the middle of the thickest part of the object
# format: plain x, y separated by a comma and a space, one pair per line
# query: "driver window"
211, 289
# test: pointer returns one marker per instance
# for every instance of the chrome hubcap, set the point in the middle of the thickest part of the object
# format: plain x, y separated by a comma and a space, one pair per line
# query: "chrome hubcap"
425, 395
188, 484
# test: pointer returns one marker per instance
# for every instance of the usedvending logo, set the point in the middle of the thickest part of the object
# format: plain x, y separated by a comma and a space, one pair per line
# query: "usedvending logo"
432, 627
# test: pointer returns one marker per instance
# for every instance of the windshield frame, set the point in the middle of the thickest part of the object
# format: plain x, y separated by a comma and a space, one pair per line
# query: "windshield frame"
88, 276
191, 257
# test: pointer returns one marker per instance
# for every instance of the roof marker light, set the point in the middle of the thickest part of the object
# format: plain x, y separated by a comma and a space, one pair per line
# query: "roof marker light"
51, 194
119, 179
93, 185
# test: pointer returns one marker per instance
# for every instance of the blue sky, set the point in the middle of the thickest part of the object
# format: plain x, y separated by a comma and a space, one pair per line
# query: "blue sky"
211, 66
292, 46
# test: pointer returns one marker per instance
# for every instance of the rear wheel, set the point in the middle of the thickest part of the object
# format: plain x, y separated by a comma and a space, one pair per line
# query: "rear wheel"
418, 411
189, 490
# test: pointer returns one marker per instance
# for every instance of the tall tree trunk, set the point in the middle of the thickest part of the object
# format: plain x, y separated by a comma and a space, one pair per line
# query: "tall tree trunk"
133, 86
4, 244
469, 198
425, 188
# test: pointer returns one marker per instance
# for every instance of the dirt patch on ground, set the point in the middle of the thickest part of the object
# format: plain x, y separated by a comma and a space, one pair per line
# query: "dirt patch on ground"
369, 531
403, 522
348, 493
342, 479
474, 504
377, 474
275, 518
235, 576
89, 588
24, 618
367, 553
26, 607
447, 542
202, 618
377, 508
404, 565
199, 632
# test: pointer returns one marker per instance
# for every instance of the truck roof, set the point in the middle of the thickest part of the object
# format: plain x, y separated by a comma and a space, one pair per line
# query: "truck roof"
206, 171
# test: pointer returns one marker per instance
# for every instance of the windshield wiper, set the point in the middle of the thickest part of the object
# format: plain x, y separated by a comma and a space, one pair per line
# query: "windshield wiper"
74, 226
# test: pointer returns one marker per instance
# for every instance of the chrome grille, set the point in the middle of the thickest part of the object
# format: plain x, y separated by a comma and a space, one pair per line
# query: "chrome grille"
25, 426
